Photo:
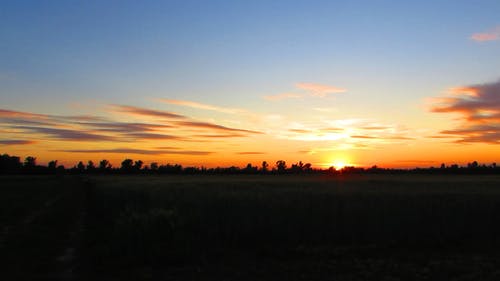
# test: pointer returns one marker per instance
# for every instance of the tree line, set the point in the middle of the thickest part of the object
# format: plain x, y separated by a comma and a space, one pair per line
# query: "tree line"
14, 165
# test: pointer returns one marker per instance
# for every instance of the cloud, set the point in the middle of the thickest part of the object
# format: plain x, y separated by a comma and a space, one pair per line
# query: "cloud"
203, 106
152, 136
363, 137
478, 107
95, 128
125, 127
139, 151
66, 134
206, 125
219, 136
21, 121
375, 127
319, 90
301, 131
490, 35
353, 133
146, 112
18, 114
282, 96
311, 89
16, 142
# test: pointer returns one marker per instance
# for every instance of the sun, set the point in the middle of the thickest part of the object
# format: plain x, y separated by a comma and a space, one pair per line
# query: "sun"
339, 164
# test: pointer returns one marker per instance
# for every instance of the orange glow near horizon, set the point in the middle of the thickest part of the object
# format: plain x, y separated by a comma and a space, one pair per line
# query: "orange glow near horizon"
339, 165
196, 134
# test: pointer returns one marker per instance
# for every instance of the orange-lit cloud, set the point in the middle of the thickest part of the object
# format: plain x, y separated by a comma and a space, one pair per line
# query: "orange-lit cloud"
310, 89
16, 142
139, 151
125, 127
18, 114
99, 129
319, 90
348, 133
362, 137
490, 35
152, 136
146, 112
203, 106
68, 135
479, 109
282, 96
206, 125
219, 135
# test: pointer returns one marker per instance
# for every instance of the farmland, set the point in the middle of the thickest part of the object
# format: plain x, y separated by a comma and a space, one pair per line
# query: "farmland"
250, 227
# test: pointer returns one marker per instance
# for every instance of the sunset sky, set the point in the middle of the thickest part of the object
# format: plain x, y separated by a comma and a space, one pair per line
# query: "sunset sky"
220, 83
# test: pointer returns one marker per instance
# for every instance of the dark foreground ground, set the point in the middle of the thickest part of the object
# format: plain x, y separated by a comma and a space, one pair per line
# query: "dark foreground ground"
370, 227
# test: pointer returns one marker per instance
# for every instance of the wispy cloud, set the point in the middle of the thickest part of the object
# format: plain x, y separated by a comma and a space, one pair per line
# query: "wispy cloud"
139, 151
146, 112
362, 137
490, 35
153, 136
26, 121
96, 128
205, 125
69, 135
16, 142
125, 127
479, 109
198, 105
319, 90
350, 133
307, 89
282, 96
219, 136
19, 114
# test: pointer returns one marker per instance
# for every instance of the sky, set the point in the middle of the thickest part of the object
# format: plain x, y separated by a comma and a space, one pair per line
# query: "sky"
220, 83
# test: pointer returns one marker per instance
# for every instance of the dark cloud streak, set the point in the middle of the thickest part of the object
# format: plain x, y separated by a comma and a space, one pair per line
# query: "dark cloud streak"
66, 134
139, 151
146, 112
479, 107
16, 142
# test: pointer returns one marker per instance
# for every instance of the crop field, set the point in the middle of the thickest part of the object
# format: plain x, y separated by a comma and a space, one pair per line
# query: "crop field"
250, 227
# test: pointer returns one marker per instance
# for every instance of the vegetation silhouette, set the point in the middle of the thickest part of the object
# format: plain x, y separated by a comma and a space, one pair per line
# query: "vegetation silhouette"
13, 165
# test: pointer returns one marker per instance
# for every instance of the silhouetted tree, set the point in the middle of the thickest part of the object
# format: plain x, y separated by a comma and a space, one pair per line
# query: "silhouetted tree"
249, 169
127, 165
281, 166
265, 167
297, 167
80, 167
308, 167
138, 165
104, 165
90, 165
10, 163
154, 166
472, 165
52, 165
30, 162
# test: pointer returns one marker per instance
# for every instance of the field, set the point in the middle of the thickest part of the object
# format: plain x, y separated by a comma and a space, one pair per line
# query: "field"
261, 227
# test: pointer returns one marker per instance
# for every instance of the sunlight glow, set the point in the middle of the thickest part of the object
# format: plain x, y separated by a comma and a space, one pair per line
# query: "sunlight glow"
339, 164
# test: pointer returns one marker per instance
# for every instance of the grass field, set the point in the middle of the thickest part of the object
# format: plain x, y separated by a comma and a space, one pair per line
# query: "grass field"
357, 227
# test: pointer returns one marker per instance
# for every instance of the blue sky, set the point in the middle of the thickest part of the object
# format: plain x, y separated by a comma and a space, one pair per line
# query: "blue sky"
62, 56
